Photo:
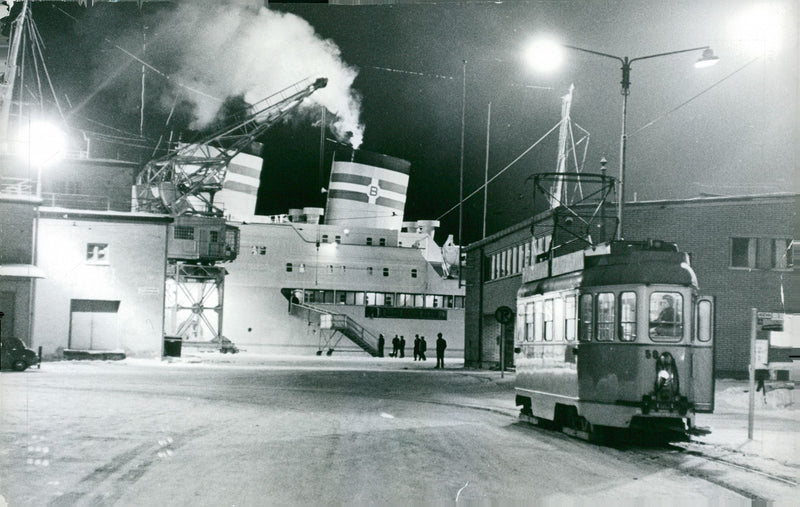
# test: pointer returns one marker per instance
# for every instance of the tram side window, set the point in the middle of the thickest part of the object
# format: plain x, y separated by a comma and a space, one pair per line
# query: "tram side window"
605, 316
569, 318
627, 316
529, 322
548, 320
586, 321
666, 316
704, 321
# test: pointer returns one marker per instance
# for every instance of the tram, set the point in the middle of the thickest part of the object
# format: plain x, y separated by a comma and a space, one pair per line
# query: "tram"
618, 338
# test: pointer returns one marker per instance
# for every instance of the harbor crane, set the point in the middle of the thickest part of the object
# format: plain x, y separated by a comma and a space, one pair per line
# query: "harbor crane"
183, 184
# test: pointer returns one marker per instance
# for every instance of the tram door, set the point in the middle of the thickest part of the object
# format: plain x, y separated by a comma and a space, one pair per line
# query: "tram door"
703, 355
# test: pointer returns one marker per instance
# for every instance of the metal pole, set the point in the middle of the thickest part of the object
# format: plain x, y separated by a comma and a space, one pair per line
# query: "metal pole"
461, 170
623, 144
502, 350
752, 373
486, 168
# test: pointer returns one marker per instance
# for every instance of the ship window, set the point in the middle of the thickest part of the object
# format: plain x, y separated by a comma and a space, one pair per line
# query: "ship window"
448, 301
183, 232
359, 299
569, 318
388, 298
459, 302
529, 322
327, 296
338, 240
666, 316
97, 253
369, 241
627, 316
330, 269
586, 321
369, 298
547, 320
324, 238
301, 268
419, 300
369, 270
380, 299
605, 316
413, 273
344, 269
382, 242
341, 297
288, 267
385, 271
428, 301
438, 301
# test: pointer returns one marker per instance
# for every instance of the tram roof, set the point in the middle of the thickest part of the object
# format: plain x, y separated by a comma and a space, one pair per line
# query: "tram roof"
634, 267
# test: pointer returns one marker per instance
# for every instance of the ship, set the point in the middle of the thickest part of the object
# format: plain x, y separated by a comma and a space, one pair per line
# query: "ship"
319, 280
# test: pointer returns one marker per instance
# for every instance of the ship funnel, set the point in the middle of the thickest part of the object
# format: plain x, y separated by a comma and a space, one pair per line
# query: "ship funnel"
369, 190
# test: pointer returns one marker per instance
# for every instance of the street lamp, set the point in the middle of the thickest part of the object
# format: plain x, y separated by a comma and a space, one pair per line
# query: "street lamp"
42, 145
545, 56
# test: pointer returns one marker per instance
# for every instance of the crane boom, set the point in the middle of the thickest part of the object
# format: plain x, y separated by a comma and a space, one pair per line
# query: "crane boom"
181, 181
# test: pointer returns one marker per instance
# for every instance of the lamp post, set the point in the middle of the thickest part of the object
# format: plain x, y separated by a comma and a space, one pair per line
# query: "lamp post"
706, 59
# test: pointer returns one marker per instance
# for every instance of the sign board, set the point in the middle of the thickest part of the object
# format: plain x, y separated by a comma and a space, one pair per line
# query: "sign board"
504, 315
770, 321
325, 321
762, 353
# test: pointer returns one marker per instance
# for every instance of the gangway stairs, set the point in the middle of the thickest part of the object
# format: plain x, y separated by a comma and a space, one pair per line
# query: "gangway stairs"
335, 326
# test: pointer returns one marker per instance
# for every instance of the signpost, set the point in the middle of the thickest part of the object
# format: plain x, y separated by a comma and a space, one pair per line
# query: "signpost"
759, 354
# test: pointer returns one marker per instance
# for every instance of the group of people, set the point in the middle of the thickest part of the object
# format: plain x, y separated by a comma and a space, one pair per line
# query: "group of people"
420, 347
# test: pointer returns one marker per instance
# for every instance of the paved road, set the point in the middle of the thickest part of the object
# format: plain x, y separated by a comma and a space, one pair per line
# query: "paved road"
287, 434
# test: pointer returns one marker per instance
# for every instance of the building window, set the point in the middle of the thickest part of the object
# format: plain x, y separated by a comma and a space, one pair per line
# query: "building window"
338, 240
382, 242
183, 232
761, 253
97, 253
369, 241
413, 273
288, 267
385, 271
258, 250
330, 269
324, 238
301, 268
369, 270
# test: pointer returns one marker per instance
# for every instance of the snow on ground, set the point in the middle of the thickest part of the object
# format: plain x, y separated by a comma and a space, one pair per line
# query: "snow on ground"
774, 448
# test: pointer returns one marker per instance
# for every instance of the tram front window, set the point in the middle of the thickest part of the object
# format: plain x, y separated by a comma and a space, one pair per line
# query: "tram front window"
666, 316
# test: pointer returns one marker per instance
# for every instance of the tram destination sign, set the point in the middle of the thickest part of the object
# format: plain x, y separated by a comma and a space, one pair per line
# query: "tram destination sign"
769, 321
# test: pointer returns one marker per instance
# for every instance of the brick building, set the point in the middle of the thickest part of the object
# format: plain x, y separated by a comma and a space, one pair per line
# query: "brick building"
741, 250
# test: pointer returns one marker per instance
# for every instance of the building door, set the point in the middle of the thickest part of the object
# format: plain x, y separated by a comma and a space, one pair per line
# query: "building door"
7, 307
94, 324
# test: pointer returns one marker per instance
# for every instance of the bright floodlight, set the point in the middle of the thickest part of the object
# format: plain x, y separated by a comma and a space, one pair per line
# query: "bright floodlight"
43, 143
544, 55
707, 59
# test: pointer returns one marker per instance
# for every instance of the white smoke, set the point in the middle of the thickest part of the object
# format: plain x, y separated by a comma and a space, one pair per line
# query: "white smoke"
236, 49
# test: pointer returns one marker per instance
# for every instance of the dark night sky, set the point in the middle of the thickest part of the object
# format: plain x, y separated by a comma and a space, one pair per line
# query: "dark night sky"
736, 134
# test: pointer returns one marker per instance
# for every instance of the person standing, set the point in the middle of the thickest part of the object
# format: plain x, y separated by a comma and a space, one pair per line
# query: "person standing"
441, 344
402, 346
416, 347
395, 345
422, 348
381, 342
